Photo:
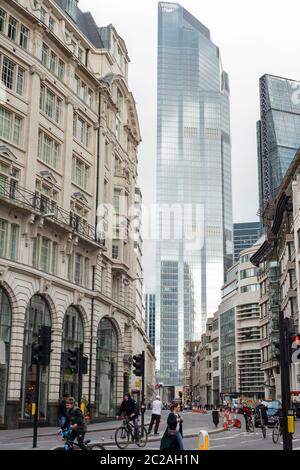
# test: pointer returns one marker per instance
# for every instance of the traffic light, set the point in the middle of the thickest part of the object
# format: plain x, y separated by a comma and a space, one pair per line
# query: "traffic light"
84, 365
276, 351
138, 364
295, 348
73, 359
41, 348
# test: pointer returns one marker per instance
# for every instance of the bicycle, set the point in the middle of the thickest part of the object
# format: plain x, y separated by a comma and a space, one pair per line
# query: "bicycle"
277, 430
263, 425
73, 445
127, 431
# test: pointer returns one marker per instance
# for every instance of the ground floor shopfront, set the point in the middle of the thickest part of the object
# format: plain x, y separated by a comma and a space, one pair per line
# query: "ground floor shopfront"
104, 331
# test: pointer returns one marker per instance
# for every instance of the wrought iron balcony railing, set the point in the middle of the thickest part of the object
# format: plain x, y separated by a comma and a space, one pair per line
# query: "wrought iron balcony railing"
45, 206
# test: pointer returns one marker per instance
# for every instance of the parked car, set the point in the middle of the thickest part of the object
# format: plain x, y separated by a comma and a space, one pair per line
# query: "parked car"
273, 408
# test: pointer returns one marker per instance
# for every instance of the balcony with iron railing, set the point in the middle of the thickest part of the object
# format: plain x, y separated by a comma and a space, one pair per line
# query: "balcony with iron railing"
40, 205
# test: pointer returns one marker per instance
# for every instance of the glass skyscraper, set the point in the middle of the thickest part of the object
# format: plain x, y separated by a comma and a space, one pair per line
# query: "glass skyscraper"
244, 236
278, 133
193, 170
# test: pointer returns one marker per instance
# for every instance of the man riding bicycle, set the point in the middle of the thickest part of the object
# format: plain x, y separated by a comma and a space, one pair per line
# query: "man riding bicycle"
75, 422
129, 407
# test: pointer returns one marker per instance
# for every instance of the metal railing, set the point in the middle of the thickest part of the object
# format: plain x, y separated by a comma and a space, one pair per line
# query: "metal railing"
45, 206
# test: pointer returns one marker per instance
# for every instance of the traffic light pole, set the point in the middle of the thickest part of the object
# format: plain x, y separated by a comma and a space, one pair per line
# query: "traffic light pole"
36, 414
143, 393
285, 379
80, 354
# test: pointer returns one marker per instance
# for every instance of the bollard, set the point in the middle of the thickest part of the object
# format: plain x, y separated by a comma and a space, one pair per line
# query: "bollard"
203, 440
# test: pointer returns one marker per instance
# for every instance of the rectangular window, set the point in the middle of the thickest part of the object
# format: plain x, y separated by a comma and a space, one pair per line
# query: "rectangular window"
43, 15
54, 258
24, 37
10, 126
17, 130
49, 150
45, 54
80, 173
5, 123
78, 260
51, 24
35, 252
3, 232
115, 249
8, 72
81, 55
44, 254
20, 81
12, 28
2, 20
53, 62
14, 232
81, 130
89, 99
61, 69
117, 195
70, 268
86, 272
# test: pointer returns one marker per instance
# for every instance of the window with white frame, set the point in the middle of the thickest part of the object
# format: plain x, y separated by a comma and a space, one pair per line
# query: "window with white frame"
9, 177
46, 197
83, 91
43, 15
80, 172
44, 254
9, 239
71, 6
52, 24
50, 104
53, 62
12, 75
82, 130
78, 217
10, 126
2, 20
24, 37
12, 28
45, 54
49, 150
61, 69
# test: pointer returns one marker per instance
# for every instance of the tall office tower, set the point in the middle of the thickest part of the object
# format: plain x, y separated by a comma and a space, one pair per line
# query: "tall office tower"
193, 172
150, 317
244, 236
278, 133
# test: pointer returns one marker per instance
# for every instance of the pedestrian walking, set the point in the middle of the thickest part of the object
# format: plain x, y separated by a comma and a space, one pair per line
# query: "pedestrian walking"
62, 410
215, 416
156, 415
172, 438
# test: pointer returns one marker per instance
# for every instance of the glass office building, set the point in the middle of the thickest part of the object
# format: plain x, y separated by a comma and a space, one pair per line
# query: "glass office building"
194, 172
244, 236
278, 133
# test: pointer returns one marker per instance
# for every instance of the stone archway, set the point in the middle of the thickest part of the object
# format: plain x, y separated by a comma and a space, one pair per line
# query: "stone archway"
5, 335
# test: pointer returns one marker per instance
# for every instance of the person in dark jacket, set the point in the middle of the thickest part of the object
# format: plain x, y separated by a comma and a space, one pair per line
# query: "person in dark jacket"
129, 408
62, 410
172, 438
75, 421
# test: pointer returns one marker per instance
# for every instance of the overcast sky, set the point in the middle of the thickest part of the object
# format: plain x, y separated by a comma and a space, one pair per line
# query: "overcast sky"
257, 37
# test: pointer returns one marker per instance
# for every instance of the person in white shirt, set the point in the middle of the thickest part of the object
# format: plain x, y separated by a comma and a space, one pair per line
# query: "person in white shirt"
156, 415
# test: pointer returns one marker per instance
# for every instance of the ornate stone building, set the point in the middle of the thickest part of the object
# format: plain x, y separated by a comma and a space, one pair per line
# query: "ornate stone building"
69, 134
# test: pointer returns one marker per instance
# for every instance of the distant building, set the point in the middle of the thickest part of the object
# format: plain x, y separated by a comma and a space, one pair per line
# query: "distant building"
244, 236
278, 133
150, 317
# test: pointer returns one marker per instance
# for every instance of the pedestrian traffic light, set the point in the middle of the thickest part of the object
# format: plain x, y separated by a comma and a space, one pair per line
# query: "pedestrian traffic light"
41, 348
73, 359
295, 348
84, 365
277, 350
138, 365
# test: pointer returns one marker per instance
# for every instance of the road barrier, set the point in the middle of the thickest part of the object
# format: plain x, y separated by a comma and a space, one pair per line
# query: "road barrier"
203, 440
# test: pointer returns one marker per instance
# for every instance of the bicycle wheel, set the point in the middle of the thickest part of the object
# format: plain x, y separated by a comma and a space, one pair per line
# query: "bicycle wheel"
122, 437
276, 433
143, 439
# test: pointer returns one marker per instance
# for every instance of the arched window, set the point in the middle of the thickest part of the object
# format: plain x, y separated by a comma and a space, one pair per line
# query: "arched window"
106, 369
72, 338
5, 328
37, 315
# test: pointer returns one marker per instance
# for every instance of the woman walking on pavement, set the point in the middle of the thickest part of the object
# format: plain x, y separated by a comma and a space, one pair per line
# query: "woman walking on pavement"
172, 438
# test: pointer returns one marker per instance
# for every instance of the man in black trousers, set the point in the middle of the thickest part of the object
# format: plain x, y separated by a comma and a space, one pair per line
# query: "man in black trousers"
156, 415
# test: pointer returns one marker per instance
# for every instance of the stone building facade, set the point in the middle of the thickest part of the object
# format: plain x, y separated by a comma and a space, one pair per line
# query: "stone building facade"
69, 134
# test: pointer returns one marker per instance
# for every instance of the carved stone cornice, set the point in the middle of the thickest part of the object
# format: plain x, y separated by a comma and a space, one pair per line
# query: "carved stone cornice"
35, 70
70, 100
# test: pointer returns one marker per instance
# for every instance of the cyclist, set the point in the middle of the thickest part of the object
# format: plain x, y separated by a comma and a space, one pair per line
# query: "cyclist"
75, 422
129, 407
247, 414
263, 410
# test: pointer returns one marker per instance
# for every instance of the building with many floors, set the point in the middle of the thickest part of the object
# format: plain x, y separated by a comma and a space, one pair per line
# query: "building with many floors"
69, 134
194, 173
244, 236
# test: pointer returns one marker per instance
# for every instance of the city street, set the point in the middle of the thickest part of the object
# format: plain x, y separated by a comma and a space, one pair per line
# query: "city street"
234, 439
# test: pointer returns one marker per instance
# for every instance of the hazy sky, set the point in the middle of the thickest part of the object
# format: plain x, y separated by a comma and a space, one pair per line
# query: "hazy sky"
257, 37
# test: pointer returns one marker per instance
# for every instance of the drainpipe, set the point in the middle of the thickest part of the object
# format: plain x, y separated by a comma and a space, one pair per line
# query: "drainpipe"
94, 268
